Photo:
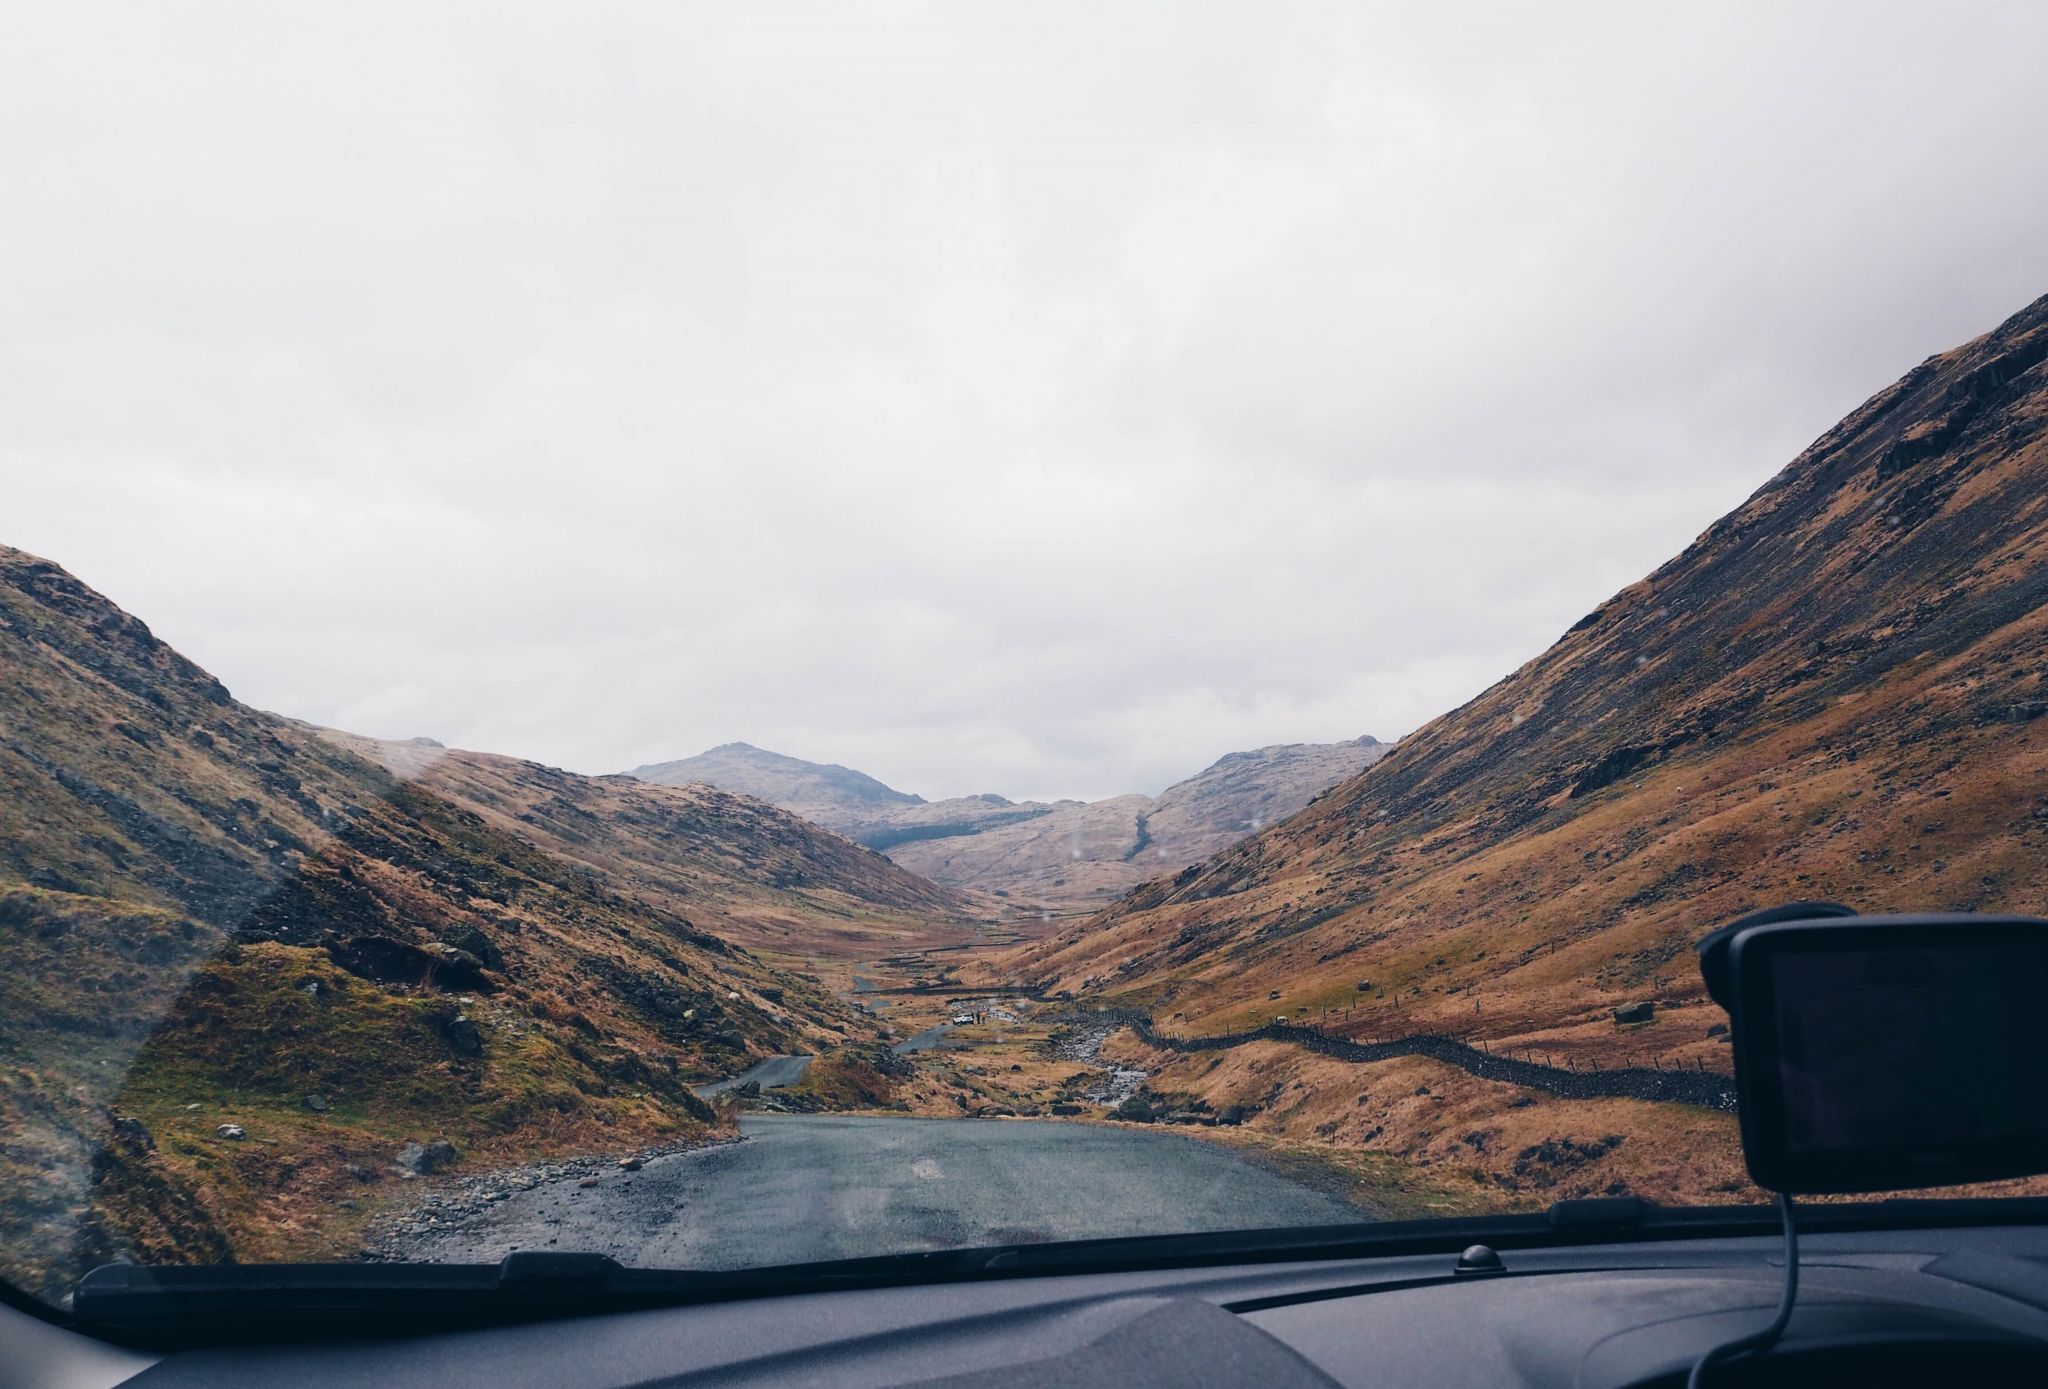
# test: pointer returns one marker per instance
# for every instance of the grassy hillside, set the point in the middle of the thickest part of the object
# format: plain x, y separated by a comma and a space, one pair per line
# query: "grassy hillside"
1837, 691
211, 916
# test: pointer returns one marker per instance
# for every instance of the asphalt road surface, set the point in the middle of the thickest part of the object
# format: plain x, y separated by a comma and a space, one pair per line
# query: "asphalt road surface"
928, 1040
834, 1186
775, 1071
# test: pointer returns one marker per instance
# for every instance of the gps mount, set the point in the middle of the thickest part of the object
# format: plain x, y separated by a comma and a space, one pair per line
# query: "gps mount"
1879, 1053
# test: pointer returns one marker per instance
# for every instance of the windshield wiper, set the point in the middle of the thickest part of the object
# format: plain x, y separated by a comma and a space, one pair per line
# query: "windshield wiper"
212, 1304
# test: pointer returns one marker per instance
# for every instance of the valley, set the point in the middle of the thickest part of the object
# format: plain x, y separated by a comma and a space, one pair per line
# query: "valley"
1064, 857
275, 991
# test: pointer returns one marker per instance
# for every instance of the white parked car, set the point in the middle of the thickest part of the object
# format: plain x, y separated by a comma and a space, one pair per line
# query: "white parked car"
963, 1019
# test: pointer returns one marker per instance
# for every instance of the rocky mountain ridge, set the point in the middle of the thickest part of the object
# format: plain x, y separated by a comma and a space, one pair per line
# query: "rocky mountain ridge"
823, 793
1063, 854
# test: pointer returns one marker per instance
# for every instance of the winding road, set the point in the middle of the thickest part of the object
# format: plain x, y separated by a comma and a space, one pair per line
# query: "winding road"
931, 1039
800, 1188
776, 1071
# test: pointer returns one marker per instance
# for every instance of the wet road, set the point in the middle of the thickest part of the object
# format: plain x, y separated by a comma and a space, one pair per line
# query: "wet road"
835, 1186
930, 1039
775, 1071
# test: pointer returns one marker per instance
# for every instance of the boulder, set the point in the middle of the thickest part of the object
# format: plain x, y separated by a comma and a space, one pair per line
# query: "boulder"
471, 941
132, 1131
232, 1131
631, 1164
1635, 1012
462, 1034
385, 961
422, 1158
317, 1103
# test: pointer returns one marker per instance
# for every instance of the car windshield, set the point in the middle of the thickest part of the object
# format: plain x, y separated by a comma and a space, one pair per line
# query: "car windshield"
732, 636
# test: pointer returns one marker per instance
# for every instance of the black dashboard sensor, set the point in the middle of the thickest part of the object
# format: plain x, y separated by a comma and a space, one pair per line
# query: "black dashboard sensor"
1885, 1053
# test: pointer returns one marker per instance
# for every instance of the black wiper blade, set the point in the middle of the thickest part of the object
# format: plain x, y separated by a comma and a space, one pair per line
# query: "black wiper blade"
185, 1304
212, 1304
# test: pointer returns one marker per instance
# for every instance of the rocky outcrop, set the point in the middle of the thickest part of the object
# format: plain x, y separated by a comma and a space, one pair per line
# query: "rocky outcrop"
423, 1159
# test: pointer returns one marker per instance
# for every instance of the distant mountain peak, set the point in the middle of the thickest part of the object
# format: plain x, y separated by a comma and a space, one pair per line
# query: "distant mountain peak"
1066, 852
823, 792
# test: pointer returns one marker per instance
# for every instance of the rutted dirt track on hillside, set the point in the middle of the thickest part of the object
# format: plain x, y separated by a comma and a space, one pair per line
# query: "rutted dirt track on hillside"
1704, 1089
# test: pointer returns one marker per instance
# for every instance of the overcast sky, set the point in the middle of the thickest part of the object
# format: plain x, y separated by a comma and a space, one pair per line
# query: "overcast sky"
1043, 399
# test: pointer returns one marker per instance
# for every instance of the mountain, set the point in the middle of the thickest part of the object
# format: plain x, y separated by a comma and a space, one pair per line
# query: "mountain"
768, 879
828, 795
214, 916
1243, 792
1064, 853
1837, 691
1081, 854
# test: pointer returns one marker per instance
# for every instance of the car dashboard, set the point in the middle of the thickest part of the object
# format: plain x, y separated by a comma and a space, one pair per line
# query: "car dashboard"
1926, 1305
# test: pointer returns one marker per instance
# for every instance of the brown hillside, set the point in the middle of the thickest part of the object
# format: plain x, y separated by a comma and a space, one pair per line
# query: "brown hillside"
210, 915
770, 880
1836, 691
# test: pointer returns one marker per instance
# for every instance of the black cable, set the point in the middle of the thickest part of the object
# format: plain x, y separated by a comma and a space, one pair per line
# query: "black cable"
1765, 1338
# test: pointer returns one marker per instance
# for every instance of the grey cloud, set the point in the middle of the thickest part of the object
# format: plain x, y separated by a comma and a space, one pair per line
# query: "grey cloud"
1035, 399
